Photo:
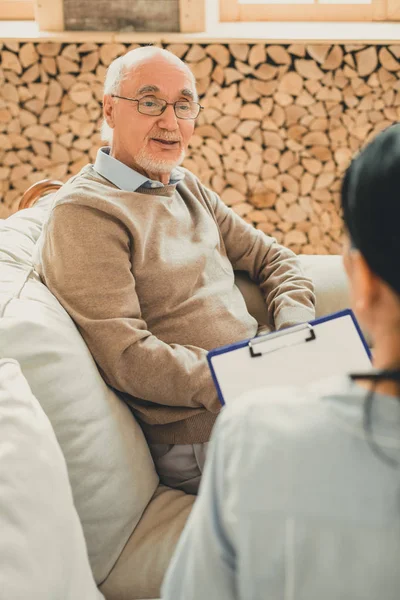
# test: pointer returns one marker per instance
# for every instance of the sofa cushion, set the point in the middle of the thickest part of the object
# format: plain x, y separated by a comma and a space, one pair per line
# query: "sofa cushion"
42, 548
140, 569
330, 282
109, 464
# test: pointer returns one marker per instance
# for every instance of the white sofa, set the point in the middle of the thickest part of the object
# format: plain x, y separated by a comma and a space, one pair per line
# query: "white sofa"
131, 523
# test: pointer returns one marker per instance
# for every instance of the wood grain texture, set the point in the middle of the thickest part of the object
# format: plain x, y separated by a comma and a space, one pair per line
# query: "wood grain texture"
393, 10
16, 10
49, 15
38, 190
376, 10
122, 15
192, 16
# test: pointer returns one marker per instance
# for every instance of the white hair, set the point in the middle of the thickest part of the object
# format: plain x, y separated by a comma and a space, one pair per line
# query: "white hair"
123, 65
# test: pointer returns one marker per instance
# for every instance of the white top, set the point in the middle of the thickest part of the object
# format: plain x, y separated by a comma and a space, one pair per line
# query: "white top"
295, 503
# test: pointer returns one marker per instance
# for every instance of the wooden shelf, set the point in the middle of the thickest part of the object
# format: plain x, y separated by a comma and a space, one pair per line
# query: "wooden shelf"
277, 33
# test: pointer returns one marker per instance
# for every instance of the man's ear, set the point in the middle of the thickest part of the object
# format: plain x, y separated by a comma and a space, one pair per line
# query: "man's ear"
108, 110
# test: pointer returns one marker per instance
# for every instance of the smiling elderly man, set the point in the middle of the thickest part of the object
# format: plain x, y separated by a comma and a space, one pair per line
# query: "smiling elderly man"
142, 256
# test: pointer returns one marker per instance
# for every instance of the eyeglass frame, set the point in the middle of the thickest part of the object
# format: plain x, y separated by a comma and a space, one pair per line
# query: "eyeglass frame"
165, 106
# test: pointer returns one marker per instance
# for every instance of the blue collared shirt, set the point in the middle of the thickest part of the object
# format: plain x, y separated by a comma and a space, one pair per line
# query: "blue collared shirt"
126, 178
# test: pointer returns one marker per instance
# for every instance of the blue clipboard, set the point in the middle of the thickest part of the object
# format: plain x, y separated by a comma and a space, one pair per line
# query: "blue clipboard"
328, 346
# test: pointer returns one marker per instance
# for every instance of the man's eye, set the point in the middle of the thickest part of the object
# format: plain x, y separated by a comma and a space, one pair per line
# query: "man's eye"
149, 103
184, 106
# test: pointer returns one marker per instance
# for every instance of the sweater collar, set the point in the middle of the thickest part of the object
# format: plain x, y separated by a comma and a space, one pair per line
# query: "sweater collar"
125, 178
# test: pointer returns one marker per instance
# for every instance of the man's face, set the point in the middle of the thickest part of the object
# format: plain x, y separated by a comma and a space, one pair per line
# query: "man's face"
156, 144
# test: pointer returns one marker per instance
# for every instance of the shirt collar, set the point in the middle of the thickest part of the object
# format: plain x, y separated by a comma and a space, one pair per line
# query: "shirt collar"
126, 178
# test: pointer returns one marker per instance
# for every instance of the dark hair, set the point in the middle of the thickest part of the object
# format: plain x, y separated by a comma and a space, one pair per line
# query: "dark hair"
371, 204
371, 211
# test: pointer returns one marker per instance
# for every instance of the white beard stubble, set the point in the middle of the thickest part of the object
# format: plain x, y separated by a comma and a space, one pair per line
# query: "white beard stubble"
148, 163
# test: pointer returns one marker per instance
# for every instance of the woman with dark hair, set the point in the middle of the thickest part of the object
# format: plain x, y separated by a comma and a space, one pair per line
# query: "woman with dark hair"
300, 499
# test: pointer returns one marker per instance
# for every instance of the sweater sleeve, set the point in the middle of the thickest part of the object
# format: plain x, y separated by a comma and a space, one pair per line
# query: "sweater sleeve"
85, 260
288, 293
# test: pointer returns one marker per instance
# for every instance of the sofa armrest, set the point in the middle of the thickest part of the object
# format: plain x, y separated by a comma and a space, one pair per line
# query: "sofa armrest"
38, 190
328, 276
330, 282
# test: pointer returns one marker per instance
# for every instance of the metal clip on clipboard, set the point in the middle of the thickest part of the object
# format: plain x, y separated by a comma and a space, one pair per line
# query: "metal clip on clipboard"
309, 337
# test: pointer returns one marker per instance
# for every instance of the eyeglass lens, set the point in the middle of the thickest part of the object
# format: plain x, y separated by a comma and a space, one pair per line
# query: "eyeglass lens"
184, 109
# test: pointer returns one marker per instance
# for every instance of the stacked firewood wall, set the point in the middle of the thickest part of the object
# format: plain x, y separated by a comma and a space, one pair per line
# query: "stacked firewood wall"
279, 126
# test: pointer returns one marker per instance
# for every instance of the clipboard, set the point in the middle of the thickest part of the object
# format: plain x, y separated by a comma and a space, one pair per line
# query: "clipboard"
329, 346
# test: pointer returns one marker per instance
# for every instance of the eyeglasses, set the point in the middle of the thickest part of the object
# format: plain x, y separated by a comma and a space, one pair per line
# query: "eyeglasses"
154, 107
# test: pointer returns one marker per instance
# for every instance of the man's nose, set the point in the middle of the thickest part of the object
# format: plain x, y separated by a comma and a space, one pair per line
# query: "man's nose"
168, 119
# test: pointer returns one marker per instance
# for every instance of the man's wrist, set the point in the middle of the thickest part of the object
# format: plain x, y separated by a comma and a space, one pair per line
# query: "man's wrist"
293, 316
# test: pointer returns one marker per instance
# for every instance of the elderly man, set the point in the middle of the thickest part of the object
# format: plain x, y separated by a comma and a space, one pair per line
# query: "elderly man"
142, 256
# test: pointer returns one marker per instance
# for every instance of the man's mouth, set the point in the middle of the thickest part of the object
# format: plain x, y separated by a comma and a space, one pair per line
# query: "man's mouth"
165, 142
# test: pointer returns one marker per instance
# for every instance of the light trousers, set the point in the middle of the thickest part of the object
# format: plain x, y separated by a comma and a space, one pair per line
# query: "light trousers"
180, 466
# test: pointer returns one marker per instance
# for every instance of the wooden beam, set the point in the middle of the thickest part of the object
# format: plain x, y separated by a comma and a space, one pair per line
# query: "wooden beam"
192, 16
49, 15
17, 10
393, 10
231, 10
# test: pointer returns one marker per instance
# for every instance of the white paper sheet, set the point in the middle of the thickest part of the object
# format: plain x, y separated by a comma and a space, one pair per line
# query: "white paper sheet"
289, 360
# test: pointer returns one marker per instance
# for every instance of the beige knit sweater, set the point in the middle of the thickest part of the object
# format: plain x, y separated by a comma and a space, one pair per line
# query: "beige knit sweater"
148, 277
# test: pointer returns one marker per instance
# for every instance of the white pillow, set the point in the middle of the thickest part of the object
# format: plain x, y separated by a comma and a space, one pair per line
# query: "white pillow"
42, 548
109, 464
